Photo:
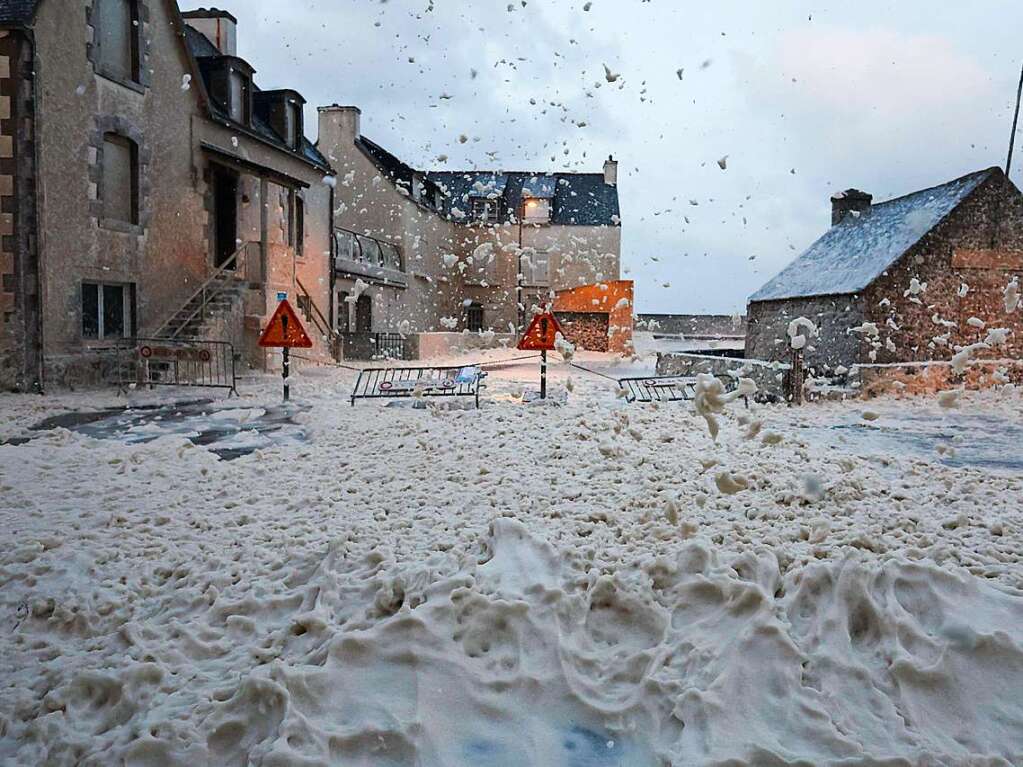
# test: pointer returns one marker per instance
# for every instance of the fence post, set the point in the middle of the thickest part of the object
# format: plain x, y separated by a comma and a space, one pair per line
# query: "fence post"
796, 378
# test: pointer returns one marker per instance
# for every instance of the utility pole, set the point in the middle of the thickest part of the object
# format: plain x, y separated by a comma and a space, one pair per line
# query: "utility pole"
1015, 124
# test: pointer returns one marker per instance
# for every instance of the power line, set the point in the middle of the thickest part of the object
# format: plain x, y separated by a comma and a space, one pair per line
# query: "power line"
1015, 123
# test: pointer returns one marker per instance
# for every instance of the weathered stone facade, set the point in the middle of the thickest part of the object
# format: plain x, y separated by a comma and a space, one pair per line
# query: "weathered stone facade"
59, 108
965, 261
20, 322
440, 280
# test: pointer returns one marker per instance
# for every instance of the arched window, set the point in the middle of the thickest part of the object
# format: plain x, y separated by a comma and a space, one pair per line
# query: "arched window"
119, 183
116, 27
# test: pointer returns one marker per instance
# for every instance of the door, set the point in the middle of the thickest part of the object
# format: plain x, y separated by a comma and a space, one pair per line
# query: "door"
225, 214
364, 315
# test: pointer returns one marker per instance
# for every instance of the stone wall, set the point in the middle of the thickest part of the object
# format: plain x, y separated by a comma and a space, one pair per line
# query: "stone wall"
979, 245
585, 330
771, 378
20, 337
695, 326
767, 331
931, 377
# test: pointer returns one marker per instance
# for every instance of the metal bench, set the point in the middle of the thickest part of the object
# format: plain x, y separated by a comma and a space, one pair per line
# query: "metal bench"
394, 383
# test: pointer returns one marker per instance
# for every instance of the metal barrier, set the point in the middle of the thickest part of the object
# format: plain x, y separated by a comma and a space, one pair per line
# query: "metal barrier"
390, 383
372, 346
163, 362
658, 388
661, 389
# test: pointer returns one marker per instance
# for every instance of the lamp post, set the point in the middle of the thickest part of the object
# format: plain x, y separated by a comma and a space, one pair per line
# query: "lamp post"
518, 278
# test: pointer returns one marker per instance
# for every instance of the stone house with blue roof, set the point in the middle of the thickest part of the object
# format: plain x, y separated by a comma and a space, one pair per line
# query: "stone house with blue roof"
139, 163
915, 278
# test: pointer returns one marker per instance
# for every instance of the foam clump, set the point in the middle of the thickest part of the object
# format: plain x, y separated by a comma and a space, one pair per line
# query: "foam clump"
523, 655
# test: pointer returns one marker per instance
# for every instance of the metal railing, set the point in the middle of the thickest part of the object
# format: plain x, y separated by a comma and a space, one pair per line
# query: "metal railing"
658, 388
205, 294
168, 362
373, 346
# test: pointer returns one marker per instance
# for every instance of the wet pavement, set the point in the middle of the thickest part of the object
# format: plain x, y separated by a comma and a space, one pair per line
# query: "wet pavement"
228, 430
949, 437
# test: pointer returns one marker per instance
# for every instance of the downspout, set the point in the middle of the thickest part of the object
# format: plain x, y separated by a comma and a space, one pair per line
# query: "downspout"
37, 181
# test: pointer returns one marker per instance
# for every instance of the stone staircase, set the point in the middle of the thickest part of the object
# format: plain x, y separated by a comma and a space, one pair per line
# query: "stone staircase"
198, 317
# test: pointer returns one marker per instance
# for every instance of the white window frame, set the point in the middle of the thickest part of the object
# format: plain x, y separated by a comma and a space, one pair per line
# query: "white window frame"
536, 269
485, 210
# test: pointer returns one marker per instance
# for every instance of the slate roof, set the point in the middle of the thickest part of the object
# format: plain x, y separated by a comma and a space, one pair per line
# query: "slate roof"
17, 13
400, 173
578, 199
859, 249
200, 47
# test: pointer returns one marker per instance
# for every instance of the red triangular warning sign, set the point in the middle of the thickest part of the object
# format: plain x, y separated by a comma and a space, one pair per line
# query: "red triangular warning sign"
285, 330
541, 333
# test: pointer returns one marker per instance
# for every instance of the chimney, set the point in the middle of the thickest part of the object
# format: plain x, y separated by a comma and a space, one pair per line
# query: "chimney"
611, 171
844, 203
217, 26
339, 127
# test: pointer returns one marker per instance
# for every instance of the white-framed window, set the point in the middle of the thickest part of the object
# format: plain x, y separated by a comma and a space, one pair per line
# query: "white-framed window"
485, 211
536, 268
536, 211
107, 310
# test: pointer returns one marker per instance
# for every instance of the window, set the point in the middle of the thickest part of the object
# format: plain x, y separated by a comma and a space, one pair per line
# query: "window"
106, 310
292, 124
536, 211
485, 211
474, 318
371, 251
347, 246
119, 182
392, 256
535, 268
298, 210
239, 101
364, 314
343, 307
116, 28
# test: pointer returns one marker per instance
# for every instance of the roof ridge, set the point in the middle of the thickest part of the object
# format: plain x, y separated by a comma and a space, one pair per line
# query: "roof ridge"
901, 197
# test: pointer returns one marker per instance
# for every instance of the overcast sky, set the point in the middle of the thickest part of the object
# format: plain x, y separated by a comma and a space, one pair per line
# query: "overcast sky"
804, 99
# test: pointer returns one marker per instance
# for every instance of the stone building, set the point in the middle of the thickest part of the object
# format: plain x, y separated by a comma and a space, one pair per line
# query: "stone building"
916, 278
139, 162
424, 251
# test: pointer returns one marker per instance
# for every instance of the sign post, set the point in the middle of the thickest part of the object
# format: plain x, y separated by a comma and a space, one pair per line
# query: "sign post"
285, 332
541, 336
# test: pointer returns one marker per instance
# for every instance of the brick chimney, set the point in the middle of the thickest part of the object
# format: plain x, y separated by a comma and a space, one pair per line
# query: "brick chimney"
611, 171
844, 203
217, 26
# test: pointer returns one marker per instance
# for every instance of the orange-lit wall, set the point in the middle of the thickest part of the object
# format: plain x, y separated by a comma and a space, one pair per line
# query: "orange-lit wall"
603, 298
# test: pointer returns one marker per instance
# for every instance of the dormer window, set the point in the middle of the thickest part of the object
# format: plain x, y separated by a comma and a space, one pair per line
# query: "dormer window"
229, 80
282, 110
239, 97
485, 211
536, 211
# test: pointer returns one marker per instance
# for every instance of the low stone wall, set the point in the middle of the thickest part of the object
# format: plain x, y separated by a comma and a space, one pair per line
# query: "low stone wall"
930, 377
433, 345
771, 378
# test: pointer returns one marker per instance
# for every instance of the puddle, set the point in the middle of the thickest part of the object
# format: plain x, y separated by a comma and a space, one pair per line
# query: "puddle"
950, 438
229, 431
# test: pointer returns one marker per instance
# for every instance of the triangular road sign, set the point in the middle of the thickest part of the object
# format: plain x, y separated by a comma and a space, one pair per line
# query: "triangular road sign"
285, 330
541, 333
